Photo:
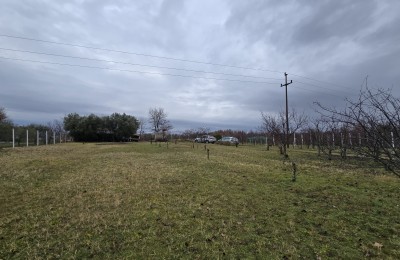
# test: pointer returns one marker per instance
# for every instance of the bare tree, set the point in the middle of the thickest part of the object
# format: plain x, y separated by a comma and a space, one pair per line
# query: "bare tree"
142, 125
3, 115
275, 125
189, 134
158, 121
271, 124
376, 116
202, 131
56, 126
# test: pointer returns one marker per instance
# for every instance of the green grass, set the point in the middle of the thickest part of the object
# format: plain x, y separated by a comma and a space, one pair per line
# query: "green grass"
149, 201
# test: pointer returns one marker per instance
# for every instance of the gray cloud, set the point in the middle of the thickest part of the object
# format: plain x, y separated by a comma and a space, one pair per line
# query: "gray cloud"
337, 43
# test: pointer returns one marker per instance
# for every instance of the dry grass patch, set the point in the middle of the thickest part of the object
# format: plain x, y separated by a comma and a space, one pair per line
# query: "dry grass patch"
149, 201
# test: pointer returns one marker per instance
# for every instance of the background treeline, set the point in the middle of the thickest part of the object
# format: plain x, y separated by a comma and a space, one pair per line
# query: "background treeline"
93, 128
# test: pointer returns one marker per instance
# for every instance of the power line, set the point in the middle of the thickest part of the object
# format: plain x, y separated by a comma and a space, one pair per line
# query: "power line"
165, 74
313, 90
138, 54
135, 71
136, 64
169, 58
320, 81
318, 86
176, 59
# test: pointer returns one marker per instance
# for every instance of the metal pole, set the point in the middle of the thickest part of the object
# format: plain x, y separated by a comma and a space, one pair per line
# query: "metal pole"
37, 137
27, 138
46, 138
54, 137
13, 137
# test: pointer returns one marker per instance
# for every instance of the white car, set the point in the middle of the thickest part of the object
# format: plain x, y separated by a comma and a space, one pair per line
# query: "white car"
229, 139
205, 139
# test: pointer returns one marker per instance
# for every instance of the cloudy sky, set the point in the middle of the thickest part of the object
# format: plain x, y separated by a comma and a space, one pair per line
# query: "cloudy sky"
208, 63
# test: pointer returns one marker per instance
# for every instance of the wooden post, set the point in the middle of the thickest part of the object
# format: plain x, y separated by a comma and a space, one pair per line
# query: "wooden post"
294, 140
341, 140
302, 141
294, 168
37, 137
350, 141
13, 137
46, 138
392, 139
54, 137
208, 154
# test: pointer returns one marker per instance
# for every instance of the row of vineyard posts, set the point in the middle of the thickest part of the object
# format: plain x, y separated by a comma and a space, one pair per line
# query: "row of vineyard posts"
325, 142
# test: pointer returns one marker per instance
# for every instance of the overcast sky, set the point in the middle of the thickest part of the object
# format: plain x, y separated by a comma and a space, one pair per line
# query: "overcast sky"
327, 48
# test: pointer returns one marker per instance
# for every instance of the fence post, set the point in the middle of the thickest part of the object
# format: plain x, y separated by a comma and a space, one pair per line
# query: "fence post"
392, 139
37, 137
294, 168
302, 141
294, 140
13, 137
341, 139
27, 138
46, 138
350, 141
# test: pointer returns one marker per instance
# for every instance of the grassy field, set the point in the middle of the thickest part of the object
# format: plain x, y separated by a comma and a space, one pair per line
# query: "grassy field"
148, 201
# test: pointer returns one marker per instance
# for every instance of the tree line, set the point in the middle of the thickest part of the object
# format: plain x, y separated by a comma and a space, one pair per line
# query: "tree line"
92, 128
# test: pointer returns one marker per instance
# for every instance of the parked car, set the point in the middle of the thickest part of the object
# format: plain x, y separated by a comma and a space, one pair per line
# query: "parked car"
230, 140
134, 138
205, 139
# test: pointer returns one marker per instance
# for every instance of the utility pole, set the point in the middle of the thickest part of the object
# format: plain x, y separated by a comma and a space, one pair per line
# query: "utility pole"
287, 110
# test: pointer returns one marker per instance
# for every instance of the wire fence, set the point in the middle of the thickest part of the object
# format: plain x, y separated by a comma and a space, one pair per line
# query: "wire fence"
21, 137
